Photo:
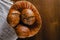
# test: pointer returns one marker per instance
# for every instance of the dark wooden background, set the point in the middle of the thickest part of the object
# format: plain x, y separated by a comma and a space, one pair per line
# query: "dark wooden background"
50, 14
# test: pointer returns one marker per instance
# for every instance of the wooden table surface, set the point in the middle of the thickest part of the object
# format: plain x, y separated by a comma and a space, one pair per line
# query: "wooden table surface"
50, 14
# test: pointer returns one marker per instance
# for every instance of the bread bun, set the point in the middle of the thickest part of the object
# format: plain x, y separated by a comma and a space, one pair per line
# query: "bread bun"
27, 16
22, 31
13, 17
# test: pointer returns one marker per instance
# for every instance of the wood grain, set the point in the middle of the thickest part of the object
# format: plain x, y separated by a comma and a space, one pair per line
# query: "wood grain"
50, 13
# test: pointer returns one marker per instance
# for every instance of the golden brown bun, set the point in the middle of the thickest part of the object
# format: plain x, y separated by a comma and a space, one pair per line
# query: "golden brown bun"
13, 17
28, 16
24, 7
22, 31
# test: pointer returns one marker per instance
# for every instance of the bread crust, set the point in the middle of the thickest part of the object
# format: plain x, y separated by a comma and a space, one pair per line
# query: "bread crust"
19, 6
